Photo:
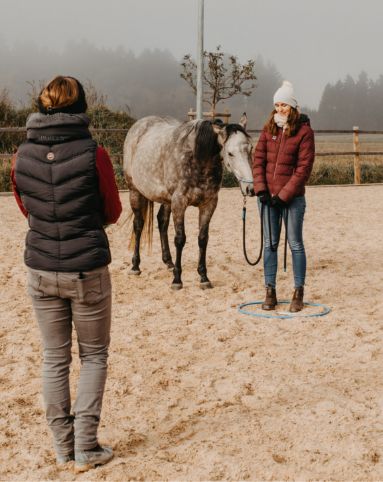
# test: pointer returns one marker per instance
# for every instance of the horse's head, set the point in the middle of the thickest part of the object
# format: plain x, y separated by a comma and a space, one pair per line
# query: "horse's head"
236, 153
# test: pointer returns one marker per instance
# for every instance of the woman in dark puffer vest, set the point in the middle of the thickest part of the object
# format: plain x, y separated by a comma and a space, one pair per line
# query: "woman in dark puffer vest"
64, 184
282, 163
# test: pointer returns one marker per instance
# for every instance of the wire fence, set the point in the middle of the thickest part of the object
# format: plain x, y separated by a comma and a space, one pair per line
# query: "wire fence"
347, 156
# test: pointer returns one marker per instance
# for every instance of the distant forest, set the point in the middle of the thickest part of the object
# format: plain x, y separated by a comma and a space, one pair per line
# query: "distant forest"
150, 83
350, 103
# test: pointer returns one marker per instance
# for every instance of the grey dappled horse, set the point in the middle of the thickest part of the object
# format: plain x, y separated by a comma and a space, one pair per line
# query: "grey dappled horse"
179, 165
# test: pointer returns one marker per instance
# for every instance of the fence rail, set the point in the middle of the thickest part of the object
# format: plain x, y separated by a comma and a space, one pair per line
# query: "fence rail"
96, 129
251, 131
356, 152
328, 131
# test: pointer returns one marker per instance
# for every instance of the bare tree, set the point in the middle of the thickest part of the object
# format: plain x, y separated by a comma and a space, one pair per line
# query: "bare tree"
223, 76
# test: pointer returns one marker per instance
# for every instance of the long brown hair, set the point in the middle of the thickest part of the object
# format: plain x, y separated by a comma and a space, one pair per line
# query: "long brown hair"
292, 127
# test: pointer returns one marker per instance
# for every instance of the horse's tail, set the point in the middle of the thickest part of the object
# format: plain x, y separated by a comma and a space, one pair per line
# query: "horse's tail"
147, 231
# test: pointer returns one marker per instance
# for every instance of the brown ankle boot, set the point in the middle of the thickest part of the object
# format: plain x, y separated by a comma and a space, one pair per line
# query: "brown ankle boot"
297, 301
271, 299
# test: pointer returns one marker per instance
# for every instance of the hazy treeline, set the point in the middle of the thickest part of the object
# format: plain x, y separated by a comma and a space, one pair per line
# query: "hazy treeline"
143, 84
351, 103
150, 83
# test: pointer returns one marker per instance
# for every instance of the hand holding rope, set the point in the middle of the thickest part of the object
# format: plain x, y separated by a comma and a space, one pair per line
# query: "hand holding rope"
273, 246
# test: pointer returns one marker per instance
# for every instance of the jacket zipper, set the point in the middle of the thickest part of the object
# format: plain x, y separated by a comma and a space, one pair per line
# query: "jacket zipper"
276, 163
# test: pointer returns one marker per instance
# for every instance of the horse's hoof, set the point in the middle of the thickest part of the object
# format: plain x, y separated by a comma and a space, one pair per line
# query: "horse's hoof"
177, 286
205, 285
170, 267
135, 272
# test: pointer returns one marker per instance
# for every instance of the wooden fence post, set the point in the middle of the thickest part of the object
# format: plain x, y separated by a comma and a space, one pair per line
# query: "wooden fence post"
226, 115
356, 155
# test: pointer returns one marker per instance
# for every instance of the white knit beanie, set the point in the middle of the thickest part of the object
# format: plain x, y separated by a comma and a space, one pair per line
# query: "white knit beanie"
285, 94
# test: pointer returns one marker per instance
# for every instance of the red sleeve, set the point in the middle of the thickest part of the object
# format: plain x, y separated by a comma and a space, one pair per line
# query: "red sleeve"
108, 187
14, 187
259, 164
305, 161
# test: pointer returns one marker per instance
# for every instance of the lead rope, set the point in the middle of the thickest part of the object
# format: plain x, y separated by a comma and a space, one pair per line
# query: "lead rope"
284, 214
251, 263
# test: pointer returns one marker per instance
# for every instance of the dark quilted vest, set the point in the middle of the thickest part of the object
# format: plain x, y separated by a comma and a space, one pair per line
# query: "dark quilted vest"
57, 180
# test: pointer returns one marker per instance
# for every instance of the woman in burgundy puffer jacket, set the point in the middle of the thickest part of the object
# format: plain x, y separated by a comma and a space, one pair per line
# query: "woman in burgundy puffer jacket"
282, 164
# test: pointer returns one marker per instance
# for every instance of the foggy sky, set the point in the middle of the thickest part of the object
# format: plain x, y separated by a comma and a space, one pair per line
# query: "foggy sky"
310, 43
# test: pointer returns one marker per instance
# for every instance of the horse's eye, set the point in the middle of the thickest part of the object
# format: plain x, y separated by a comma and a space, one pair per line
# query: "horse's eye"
231, 155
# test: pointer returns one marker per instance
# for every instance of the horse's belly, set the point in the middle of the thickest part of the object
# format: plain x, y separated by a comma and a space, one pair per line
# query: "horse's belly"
198, 196
150, 185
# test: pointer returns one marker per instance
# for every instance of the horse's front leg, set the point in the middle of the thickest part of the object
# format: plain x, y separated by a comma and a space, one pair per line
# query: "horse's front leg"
205, 213
163, 218
178, 210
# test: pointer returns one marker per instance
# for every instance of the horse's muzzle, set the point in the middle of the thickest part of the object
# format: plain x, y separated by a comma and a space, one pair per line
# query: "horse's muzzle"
250, 191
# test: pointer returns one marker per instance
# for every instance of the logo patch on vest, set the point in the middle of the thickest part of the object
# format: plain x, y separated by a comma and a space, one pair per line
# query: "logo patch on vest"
50, 156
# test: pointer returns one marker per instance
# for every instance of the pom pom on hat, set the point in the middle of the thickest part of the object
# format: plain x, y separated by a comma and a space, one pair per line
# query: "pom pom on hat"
285, 94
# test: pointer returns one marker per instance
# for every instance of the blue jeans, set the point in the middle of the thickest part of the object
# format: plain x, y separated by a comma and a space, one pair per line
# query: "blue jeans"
295, 214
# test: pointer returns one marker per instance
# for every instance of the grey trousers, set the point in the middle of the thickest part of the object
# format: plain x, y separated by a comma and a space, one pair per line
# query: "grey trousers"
58, 300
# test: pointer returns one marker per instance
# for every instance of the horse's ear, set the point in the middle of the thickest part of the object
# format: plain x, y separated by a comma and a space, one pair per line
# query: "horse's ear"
243, 120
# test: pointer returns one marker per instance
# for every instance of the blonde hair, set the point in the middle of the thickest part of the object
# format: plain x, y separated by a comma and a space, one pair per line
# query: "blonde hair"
59, 92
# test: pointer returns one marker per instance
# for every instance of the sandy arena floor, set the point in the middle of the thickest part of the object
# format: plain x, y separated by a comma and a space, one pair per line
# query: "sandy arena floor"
197, 391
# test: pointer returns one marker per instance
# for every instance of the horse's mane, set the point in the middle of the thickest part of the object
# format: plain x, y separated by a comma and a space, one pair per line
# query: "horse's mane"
206, 143
233, 129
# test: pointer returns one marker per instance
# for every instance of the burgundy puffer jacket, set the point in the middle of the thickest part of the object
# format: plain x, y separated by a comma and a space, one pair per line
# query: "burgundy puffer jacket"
282, 165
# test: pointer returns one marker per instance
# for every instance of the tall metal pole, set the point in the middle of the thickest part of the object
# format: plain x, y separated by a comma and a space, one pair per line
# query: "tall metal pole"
199, 106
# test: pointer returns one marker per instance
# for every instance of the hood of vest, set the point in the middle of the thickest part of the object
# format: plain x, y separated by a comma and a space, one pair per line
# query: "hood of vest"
57, 128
